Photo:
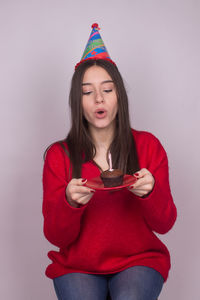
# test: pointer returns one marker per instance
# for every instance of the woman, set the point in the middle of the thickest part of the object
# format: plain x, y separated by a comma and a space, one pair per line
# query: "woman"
106, 240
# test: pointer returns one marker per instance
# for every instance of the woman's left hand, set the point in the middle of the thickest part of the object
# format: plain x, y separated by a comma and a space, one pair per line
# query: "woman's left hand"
144, 184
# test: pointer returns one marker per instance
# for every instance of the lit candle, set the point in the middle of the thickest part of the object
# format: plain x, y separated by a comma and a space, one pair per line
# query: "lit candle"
110, 161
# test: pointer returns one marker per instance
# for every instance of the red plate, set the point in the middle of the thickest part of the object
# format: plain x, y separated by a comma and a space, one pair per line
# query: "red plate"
97, 184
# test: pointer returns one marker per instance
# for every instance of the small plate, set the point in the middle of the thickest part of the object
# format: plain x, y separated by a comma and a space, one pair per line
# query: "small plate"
97, 184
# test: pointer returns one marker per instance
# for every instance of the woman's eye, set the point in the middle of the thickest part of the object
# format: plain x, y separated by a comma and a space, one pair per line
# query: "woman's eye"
107, 91
86, 93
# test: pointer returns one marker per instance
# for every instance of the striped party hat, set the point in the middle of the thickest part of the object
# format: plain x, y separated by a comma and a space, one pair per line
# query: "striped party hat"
95, 48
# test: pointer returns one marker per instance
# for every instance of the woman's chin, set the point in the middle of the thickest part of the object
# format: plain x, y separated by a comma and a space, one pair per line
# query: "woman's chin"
102, 125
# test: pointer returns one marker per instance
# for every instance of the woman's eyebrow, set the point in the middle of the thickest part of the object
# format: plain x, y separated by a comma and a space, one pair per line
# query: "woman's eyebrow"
105, 81
86, 83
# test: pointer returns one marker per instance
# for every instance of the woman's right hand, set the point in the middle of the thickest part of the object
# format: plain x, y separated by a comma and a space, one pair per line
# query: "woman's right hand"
78, 194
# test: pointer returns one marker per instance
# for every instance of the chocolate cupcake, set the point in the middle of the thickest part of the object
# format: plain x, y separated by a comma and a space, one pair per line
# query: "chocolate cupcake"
112, 178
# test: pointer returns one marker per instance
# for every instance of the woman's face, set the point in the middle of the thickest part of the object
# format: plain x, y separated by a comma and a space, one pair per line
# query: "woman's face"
99, 98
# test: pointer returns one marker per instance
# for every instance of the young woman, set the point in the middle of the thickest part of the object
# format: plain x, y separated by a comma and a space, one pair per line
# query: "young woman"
106, 240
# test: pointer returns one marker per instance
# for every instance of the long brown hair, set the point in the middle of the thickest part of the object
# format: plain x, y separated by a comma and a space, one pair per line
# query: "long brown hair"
79, 141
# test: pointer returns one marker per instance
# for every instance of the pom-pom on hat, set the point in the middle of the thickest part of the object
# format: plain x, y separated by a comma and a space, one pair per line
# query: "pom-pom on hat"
95, 48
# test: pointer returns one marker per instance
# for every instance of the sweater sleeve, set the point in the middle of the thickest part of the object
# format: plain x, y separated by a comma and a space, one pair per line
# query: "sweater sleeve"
61, 221
158, 207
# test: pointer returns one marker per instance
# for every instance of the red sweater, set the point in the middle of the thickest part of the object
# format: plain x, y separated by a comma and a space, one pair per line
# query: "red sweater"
113, 231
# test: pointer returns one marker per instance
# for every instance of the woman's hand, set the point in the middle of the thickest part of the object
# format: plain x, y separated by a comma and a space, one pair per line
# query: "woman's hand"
144, 184
77, 194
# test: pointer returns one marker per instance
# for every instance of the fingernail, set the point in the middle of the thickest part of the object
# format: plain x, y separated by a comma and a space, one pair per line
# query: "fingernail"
84, 179
132, 187
136, 174
91, 191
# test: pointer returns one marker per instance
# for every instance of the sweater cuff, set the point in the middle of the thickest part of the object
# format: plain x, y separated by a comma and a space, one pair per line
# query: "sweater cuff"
150, 201
79, 208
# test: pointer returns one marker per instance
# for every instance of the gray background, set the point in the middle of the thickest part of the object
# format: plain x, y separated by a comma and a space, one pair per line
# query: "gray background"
156, 47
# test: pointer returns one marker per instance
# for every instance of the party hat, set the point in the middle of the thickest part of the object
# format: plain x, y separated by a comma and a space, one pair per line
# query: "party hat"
95, 48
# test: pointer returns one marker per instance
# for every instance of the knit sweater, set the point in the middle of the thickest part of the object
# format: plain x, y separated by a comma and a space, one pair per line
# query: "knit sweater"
114, 230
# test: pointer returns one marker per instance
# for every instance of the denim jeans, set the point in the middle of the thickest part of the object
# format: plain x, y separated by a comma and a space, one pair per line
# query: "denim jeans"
135, 283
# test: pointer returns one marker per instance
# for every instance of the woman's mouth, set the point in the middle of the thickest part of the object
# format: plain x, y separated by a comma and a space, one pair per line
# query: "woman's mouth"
100, 113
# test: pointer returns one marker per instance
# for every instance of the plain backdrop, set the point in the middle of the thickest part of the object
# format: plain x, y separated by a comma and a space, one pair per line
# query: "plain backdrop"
156, 46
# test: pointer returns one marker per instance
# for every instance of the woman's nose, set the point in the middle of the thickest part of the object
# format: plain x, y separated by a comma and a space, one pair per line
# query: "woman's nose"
99, 97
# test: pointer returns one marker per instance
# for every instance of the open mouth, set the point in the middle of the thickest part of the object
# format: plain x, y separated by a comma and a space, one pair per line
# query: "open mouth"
100, 113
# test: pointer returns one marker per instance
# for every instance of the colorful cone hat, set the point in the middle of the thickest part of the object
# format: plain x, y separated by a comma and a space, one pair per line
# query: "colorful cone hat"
95, 48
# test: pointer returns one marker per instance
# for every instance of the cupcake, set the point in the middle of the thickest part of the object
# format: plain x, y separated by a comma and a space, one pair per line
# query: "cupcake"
112, 177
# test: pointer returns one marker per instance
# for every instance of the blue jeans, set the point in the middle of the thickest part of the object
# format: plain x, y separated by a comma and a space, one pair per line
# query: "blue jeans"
135, 283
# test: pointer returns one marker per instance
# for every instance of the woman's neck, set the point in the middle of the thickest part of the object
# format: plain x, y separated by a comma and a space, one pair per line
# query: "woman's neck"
102, 138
